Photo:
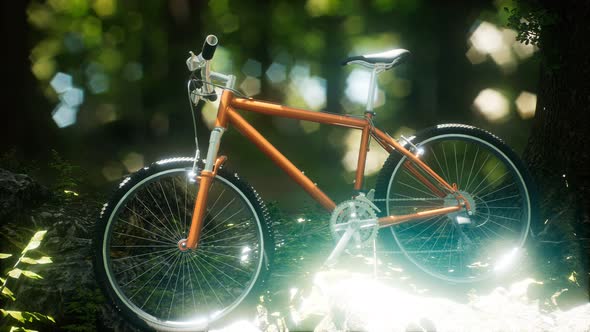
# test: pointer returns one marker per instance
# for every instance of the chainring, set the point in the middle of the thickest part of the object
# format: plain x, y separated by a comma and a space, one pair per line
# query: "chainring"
357, 215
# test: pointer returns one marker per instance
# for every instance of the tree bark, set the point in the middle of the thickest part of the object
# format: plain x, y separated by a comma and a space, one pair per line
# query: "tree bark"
558, 151
26, 123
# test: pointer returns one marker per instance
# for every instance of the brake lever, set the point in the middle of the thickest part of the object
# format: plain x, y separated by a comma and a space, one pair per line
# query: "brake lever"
194, 62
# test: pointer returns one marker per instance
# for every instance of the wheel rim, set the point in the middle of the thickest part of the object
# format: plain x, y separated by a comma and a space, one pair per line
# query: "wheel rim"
169, 287
443, 247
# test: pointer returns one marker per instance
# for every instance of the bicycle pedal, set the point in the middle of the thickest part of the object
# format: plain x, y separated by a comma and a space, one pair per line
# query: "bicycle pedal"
371, 195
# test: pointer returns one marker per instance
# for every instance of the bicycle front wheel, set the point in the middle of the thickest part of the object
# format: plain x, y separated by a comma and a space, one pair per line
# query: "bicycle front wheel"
459, 247
149, 279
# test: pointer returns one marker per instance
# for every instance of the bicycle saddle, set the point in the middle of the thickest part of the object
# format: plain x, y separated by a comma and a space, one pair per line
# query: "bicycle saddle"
388, 59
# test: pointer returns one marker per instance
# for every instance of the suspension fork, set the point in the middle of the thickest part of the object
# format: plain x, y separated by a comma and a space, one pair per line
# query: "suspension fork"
205, 179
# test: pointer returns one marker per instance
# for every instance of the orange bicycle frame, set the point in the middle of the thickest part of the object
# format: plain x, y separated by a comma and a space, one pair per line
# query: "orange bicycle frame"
227, 115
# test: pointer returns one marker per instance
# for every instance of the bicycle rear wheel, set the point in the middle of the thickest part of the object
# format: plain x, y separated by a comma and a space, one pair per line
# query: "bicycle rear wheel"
459, 247
149, 279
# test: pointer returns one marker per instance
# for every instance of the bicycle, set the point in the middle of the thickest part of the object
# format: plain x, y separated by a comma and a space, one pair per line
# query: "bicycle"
184, 241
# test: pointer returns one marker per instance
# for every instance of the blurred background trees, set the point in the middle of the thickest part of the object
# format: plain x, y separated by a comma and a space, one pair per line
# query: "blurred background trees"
104, 80
102, 83
557, 151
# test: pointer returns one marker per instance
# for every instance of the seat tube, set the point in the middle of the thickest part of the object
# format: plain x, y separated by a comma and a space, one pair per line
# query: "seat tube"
205, 179
362, 158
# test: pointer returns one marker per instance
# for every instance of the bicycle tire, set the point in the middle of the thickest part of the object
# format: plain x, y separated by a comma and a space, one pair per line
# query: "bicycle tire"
501, 191
137, 238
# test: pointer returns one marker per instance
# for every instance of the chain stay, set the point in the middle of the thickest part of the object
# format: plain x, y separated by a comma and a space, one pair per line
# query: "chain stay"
408, 199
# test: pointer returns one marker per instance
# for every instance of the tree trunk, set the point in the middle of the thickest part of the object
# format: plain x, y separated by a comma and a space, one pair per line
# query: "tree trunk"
558, 151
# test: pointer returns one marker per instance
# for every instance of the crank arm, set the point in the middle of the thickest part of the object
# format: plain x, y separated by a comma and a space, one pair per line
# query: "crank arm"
342, 243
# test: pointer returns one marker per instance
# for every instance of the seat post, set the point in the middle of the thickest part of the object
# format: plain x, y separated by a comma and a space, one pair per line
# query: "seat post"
372, 89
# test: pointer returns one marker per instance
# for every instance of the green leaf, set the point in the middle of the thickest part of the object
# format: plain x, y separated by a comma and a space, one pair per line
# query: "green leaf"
31, 274
15, 273
14, 314
20, 329
35, 241
32, 245
42, 260
39, 316
8, 293
28, 260
3, 256
39, 236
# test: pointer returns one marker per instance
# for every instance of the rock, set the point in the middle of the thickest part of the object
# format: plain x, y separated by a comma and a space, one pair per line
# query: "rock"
19, 192
68, 290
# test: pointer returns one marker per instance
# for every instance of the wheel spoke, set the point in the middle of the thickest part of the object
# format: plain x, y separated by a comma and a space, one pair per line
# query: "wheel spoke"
140, 237
145, 230
158, 219
149, 260
472, 166
207, 235
486, 177
147, 188
213, 218
174, 223
153, 278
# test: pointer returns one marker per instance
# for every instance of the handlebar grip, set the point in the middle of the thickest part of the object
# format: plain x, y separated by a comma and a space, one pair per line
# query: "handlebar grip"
209, 47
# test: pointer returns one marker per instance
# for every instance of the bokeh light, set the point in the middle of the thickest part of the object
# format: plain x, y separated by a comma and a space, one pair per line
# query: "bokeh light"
523, 50
252, 68
310, 89
276, 73
313, 90
133, 162
375, 157
486, 38
99, 83
71, 97
112, 171
104, 7
492, 105
357, 88
106, 113
526, 104
309, 127
64, 115
223, 62
250, 86
500, 44
61, 82
133, 71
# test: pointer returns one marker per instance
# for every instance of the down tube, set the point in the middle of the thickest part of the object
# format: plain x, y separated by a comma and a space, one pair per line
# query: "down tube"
279, 159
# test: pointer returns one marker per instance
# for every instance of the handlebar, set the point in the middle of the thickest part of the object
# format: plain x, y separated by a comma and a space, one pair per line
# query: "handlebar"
201, 64
209, 47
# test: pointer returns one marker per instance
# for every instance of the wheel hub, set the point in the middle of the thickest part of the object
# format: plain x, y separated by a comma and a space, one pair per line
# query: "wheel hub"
182, 245
462, 217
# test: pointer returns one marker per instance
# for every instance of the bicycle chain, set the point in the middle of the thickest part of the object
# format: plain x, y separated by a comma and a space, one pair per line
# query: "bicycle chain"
407, 199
